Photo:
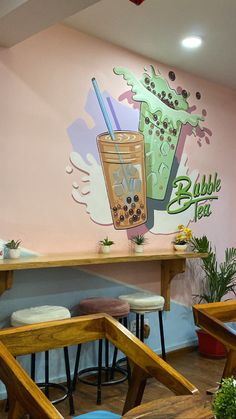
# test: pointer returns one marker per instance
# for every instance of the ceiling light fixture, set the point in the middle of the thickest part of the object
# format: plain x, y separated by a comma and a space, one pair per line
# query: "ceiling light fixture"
192, 42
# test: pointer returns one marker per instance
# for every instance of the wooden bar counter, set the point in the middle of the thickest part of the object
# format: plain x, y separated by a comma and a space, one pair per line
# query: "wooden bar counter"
172, 263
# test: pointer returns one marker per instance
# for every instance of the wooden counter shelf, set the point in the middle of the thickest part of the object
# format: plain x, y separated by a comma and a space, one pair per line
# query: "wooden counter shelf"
172, 263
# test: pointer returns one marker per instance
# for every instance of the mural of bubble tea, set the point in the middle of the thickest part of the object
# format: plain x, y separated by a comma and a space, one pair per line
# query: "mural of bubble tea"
124, 172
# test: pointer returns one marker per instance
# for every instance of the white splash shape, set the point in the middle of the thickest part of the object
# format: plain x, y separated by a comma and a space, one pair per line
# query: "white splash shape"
69, 169
165, 223
93, 194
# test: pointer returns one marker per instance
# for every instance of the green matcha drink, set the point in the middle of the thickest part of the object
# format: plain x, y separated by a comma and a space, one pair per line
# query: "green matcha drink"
162, 114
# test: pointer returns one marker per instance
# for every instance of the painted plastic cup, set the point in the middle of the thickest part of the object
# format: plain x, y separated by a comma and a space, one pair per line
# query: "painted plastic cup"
123, 168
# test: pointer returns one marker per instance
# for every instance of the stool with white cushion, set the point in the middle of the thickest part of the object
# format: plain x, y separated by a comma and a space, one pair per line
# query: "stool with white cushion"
142, 303
38, 315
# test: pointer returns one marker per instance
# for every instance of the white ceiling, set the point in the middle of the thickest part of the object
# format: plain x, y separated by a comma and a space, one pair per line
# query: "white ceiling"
156, 27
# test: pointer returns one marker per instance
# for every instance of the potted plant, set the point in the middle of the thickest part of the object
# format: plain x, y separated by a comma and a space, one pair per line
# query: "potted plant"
182, 238
217, 281
14, 249
224, 401
139, 240
106, 245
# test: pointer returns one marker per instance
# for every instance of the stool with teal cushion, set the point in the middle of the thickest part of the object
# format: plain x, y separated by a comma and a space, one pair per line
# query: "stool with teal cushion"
98, 414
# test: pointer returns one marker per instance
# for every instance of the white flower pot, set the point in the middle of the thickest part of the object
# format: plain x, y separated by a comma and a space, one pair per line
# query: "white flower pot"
106, 249
180, 247
14, 253
138, 248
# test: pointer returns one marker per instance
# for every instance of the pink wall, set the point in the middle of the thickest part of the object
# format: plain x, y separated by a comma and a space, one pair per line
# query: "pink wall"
44, 86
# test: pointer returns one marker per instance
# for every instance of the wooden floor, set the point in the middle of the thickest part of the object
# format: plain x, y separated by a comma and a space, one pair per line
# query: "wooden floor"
202, 372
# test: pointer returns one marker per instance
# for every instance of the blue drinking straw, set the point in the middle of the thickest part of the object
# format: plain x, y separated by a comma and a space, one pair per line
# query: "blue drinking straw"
103, 109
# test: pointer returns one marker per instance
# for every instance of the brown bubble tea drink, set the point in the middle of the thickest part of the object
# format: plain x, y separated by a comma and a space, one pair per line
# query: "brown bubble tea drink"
123, 168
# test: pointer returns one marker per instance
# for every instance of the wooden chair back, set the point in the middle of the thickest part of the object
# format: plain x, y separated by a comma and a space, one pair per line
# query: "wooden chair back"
57, 334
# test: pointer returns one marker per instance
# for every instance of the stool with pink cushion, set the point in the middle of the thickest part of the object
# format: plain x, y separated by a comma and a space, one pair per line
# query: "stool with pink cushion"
118, 309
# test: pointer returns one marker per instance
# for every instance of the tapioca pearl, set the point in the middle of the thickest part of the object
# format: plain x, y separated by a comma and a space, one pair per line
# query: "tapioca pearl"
141, 205
169, 95
128, 200
138, 211
162, 131
169, 139
155, 117
114, 209
152, 126
143, 216
204, 112
162, 138
170, 130
136, 198
150, 132
147, 120
172, 147
117, 222
198, 95
152, 84
131, 211
147, 80
131, 220
174, 131
157, 133
122, 218
176, 102
126, 215
184, 93
165, 125
133, 205
115, 214
125, 208
154, 92
163, 93
159, 95
138, 217
135, 217
149, 88
172, 75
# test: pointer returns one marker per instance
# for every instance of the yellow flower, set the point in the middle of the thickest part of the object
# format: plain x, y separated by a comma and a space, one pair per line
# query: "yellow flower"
181, 227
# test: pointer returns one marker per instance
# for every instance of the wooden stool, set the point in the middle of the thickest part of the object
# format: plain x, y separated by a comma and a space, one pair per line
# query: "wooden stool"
38, 315
142, 303
115, 308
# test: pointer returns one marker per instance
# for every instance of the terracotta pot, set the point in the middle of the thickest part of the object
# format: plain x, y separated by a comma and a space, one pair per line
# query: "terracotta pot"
209, 346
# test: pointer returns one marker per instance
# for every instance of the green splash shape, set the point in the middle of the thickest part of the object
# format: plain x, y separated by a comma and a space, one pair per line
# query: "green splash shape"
141, 94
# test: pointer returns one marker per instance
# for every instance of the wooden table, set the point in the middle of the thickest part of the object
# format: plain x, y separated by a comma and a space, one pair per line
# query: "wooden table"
172, 263
177, 407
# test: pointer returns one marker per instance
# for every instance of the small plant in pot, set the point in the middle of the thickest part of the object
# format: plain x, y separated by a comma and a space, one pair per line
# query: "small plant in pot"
217, 281
106, 245
139, 241
182, 238
14, 248
224, 401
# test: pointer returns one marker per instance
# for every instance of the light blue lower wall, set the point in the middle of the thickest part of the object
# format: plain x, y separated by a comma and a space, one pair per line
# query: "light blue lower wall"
67, 286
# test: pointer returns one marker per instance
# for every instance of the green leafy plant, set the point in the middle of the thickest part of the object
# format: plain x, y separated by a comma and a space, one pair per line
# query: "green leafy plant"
224, 401
219, 278
139, 239
106, 242
13, 244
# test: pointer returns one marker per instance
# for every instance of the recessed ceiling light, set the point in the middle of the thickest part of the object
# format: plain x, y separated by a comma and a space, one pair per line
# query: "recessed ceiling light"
192, 42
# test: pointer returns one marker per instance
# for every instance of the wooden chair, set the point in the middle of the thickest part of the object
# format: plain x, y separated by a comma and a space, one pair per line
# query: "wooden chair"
25, 397
211, 317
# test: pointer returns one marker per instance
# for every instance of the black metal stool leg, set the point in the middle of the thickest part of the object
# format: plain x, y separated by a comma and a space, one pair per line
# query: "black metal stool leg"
69, 382
163, 351
76, 367
99, 383
32, 367
106, 360
47, 374
142, 327
137, 325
